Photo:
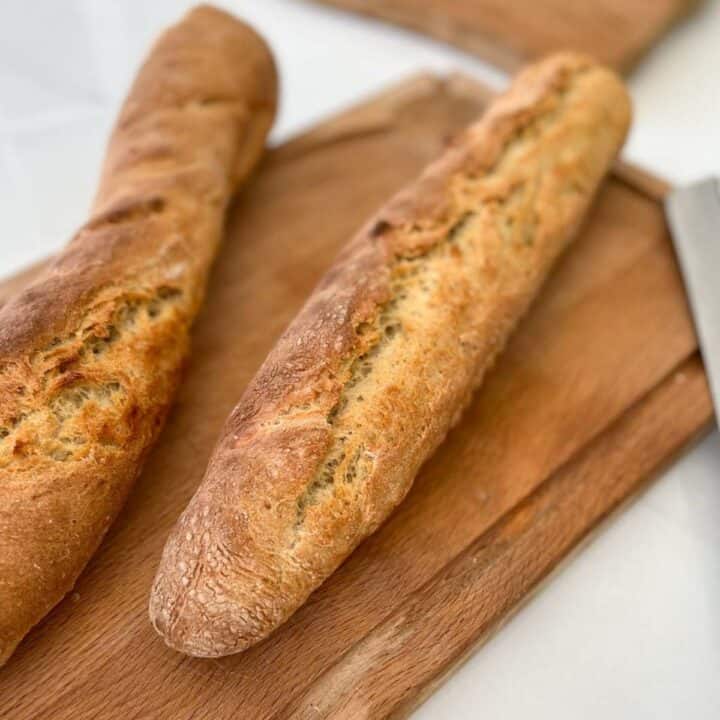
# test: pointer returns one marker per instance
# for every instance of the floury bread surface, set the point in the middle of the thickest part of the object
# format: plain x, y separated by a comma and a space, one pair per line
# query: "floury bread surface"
90, 354
384, 356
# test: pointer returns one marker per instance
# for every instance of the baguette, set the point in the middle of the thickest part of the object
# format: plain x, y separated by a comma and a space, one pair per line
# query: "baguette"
90, 354
379, 364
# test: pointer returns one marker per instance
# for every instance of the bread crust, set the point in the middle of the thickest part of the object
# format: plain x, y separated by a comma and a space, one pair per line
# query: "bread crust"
384, 356
90, 354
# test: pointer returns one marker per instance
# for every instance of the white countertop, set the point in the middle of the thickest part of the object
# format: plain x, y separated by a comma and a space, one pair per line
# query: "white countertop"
630, 628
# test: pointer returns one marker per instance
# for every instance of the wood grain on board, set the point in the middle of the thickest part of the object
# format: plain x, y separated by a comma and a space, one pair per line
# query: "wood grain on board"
508, 32
599, 386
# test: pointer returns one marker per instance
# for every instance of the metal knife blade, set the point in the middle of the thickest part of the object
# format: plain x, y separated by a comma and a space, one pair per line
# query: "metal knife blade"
693, 213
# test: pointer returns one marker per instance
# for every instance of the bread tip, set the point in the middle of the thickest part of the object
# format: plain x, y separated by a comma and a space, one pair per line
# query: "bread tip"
190, 625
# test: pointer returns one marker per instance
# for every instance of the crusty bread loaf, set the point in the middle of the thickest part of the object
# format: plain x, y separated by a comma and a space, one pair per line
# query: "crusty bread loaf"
378, 365
90, 354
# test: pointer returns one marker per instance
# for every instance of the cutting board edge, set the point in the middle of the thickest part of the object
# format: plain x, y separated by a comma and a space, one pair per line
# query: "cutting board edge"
642, 486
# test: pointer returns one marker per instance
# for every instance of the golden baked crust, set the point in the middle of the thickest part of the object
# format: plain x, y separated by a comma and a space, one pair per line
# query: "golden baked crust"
90, 354
378, 365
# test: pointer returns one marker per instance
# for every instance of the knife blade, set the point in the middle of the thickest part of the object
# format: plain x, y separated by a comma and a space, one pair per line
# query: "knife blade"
693, 213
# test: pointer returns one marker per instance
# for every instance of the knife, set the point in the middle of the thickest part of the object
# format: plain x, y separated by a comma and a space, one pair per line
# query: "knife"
693, 213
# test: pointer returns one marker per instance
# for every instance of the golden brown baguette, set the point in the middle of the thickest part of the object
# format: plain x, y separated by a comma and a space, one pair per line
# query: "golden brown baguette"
91, 353
380, 362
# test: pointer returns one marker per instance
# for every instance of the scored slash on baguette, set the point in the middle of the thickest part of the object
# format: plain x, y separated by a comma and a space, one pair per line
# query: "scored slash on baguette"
384, 356
91, 353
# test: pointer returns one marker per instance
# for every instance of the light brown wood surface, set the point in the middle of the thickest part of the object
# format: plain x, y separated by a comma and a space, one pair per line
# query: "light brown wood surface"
508, 32
599, 387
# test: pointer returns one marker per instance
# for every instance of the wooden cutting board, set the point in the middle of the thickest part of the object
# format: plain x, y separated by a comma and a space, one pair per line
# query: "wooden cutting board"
509, 32
599, 388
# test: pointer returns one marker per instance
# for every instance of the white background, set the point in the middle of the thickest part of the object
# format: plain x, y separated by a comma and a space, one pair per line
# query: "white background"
629, 629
